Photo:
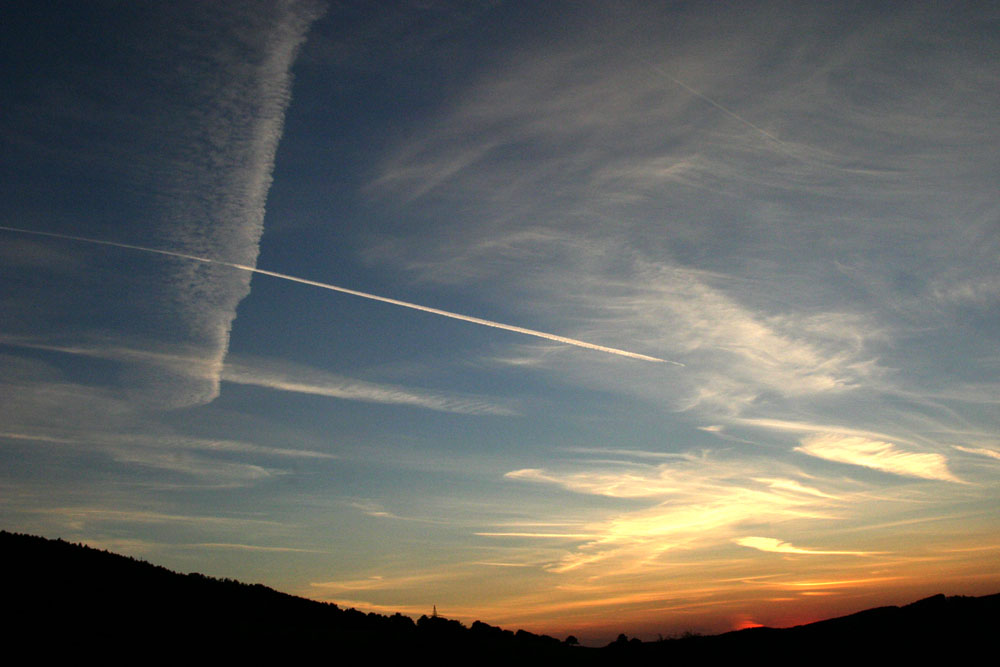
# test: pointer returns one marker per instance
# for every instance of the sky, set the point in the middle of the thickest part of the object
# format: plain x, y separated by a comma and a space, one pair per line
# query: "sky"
578, 317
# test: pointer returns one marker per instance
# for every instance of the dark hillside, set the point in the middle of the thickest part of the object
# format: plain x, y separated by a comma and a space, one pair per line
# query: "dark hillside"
73, 598
69, 599
956, 628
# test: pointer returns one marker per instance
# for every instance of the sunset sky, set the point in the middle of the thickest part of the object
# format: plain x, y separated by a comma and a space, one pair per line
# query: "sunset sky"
666, 316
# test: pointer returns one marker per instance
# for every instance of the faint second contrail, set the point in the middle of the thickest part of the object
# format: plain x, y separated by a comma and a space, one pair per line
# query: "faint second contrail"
715, 104
345, 290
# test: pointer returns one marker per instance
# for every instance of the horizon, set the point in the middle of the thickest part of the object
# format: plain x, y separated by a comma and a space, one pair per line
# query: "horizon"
581, 319
73, 564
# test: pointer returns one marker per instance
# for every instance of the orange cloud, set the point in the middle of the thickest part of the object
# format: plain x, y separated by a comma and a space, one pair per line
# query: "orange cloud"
777, 546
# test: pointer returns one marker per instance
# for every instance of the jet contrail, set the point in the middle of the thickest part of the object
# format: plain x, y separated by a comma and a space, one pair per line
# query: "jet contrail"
786, 148
345, 290
715, 104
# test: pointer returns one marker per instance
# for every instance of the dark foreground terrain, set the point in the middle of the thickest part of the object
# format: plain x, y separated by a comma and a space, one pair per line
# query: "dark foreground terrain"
71, 600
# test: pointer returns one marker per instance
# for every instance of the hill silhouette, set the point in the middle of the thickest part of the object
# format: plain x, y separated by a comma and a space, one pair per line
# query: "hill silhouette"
72, 598
76, 600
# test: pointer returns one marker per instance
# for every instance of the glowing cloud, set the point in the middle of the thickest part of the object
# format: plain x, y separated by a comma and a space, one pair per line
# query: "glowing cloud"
777, 546
698, 502
877, 455
614, 484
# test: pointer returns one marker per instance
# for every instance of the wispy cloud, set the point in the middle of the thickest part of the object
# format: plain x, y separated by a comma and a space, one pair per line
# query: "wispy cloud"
41, 406
645, 162
177, 442
254, 548
699, 501
734, 354
372, 508
223, 474
299, 379
166, 441
836, 583
785, 425
773, 545
276, 375
687, 474
981, 451
88, 514
629, 453
381, 582
536, 535
877, 455
177, 358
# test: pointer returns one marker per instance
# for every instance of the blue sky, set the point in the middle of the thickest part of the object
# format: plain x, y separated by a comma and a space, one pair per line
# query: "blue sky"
792, 204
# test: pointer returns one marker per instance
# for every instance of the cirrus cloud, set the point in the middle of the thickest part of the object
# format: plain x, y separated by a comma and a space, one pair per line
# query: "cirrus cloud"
773, 545
877, 455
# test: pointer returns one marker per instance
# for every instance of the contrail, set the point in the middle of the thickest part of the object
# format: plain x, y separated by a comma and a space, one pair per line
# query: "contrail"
345, 290
718, 106
784, 146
